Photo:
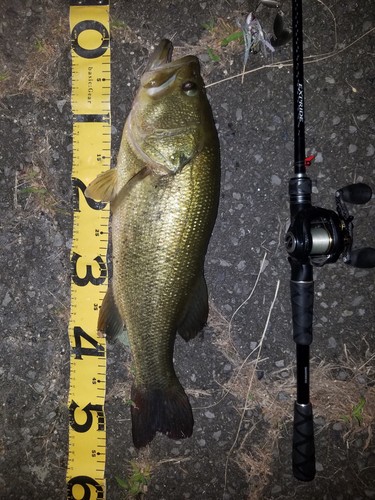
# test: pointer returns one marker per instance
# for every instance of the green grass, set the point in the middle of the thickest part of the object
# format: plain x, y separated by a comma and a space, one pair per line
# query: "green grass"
136, 483
117, 24
212, 55
357, 412
40, 45
238, 35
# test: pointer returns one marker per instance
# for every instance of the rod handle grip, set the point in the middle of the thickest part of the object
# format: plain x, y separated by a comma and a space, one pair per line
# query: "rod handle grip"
356, 194
303, 443
302, 296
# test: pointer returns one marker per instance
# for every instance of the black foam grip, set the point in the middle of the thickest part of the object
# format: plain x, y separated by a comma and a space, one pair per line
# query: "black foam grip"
303, 443
357, 194
363, 257
302, 295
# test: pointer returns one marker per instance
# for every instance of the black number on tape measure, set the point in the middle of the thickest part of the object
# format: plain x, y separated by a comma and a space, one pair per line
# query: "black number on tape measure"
85, 482
88, 409
79, 351
89, 278
90, 24
79, 185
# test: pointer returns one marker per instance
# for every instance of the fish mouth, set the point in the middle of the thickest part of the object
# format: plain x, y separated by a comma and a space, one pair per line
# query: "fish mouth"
161, 58
161, 55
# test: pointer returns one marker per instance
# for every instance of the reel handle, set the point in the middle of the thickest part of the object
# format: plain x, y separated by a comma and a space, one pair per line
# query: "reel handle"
362, 257
356, 194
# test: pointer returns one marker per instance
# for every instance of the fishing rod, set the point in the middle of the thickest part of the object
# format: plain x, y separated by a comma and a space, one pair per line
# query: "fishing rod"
316, 236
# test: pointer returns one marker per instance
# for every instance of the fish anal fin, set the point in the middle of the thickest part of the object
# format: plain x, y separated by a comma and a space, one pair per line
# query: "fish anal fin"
110, 324
103, 187
196, 310
160, 410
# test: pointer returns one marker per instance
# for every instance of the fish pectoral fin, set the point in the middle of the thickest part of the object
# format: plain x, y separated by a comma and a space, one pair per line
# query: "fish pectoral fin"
125, 190
196, 311
104, 187
110, 323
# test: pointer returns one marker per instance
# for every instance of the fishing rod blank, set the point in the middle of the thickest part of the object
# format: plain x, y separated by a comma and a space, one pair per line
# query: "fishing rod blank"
316, 237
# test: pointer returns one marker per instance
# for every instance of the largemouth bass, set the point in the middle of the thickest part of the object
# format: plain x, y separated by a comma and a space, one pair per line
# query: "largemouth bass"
164, 197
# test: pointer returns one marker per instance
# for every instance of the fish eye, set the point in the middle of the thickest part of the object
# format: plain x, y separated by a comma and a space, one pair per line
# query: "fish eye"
190, 88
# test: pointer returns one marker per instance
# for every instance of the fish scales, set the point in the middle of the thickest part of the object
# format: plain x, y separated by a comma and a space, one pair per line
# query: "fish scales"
164, 197
158, 281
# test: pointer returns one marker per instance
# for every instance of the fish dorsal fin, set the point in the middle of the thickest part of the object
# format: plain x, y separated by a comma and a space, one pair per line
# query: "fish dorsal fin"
104, 187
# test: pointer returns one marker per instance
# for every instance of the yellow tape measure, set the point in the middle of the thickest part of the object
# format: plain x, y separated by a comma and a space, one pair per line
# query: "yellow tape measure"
89, 26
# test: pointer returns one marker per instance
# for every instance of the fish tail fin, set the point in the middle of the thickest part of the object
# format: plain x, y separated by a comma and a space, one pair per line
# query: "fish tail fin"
160, 410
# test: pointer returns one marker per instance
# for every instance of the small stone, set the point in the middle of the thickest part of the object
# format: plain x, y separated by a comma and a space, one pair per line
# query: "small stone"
352, 129
31, 374
209, 414
275, 180
276, 489
193, 377
347, 314
337, 426
202, 442
283, 396
7, 299
217, 435
227, 367
358, 300
366, 26
330, 80
370, 150
241, 265
225, 263
39, 388
361, 379
238, 114
58, 240
332, 344
343, 375
352, 148
60, 104
362, 118
319, 467
336, 120
318, 158
280, 363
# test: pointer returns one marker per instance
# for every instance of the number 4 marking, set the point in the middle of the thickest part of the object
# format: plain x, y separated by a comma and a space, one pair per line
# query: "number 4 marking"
79, 351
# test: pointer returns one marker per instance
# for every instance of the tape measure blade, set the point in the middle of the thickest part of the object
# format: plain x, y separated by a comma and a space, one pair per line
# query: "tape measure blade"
91, 82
